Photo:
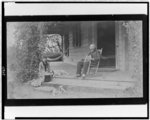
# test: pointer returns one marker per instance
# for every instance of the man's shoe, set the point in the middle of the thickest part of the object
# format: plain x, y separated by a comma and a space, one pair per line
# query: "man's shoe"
83, 76
78, 75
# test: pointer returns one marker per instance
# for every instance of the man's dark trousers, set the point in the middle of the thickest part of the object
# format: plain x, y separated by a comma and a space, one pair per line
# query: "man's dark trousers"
84, 65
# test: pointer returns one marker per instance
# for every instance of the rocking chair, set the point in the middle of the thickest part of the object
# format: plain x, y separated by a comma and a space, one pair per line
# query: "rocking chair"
96, 65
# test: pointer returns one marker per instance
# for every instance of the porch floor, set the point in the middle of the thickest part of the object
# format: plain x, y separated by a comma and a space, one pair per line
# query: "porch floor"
107, 83
108, 78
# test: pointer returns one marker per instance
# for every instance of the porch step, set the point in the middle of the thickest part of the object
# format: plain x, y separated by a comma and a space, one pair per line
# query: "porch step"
117, 85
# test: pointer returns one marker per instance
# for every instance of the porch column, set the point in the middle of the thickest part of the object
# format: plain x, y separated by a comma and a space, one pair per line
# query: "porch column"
117, 44
94, 32
120, 46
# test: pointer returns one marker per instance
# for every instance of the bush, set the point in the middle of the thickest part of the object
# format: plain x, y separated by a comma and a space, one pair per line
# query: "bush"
28, 53
30, 46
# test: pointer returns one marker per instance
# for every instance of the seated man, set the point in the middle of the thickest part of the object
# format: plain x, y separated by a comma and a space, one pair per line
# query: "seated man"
92, 56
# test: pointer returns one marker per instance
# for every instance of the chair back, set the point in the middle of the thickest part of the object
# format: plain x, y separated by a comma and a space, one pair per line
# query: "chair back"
100, 51
91, 65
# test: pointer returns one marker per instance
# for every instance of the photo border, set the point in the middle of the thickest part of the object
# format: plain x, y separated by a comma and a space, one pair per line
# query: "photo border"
81, 101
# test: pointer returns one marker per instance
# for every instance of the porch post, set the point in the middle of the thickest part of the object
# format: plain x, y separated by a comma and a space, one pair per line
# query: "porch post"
120, 46
94, 32
117, 43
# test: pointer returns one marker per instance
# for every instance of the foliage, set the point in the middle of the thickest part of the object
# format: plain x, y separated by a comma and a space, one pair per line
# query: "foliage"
29, 37
28, 55
134, 36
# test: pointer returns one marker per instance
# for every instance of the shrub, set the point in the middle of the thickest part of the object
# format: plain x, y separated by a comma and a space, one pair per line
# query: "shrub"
28, 54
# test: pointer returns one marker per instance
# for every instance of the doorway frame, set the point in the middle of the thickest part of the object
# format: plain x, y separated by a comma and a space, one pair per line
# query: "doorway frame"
116, 66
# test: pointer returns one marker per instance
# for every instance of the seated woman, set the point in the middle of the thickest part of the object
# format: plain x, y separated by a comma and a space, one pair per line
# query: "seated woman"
45, 73
92, 56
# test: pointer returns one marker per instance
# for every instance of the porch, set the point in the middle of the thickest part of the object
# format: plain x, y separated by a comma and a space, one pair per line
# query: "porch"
109, 78
107, 83
112, 75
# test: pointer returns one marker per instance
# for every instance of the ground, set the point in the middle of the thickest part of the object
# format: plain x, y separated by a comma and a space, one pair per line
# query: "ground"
112, 84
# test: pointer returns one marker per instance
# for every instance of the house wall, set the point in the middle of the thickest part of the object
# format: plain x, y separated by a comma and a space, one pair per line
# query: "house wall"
134, 31
130, 50
130, 47
88, 36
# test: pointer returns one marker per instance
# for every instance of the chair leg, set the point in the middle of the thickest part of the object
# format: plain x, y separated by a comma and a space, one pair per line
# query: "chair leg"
97, 68
88, 71
89, 68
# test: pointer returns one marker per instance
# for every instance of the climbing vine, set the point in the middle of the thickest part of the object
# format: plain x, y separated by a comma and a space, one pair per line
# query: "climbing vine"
134, 36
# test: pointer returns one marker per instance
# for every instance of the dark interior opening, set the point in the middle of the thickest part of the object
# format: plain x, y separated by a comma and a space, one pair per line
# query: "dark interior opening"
106, 40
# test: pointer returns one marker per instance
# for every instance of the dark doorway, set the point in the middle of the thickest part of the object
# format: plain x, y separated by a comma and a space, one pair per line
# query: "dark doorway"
106, 40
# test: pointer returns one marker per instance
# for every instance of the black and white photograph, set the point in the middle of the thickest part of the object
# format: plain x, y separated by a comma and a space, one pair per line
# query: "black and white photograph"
82, 59
74, 59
